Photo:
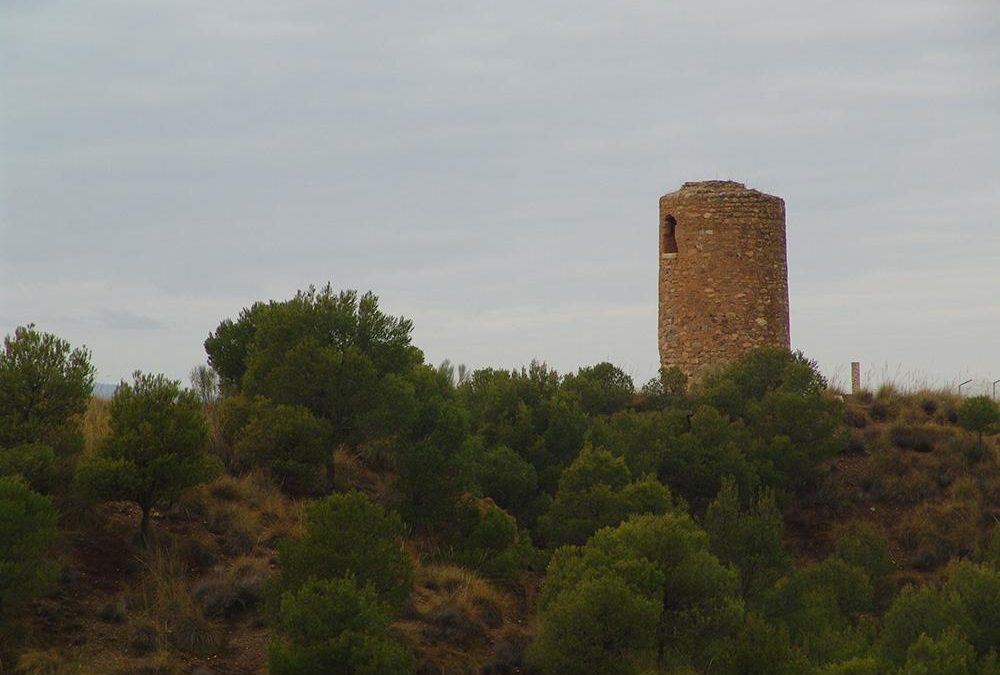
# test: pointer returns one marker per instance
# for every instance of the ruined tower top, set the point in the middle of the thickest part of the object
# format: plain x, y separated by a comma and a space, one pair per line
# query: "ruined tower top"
723, 274
718, 189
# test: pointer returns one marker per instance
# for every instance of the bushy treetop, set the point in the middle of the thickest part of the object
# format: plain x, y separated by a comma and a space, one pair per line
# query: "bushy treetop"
43, 384
156, 448
979, 414
603, 388
264, 332
336, 626
330, 352
347, 534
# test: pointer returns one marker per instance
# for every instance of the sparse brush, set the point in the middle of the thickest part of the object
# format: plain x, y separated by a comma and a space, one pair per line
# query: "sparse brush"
935, 533
143, 637
46, 662
199, 549
916, 437
239, 589
115, 611
349, 472
856, 416
887, 391
966, 489
161, 594
244, 511
857, 443
380, 455
227, 488
161, 663
444, 590
241, 532
880, 410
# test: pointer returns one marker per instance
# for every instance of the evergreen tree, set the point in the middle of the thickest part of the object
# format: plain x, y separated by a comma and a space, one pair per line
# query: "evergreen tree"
156, 448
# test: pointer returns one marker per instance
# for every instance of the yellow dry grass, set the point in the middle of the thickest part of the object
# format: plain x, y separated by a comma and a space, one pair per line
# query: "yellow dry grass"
248, 506
453, 618
440, 587
96, 423
161, 597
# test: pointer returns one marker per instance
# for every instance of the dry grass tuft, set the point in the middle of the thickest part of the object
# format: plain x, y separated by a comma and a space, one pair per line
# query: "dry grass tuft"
165, 606
245, 512
367, 471
454, 618
238, 589
440, 587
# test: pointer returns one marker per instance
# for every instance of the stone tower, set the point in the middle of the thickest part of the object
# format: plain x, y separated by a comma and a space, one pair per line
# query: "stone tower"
723, 274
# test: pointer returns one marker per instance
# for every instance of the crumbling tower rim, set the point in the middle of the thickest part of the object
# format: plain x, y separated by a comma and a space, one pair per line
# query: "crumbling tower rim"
718, 190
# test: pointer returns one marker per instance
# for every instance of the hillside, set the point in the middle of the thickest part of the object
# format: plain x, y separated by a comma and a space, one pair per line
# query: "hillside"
392, 517
194, 602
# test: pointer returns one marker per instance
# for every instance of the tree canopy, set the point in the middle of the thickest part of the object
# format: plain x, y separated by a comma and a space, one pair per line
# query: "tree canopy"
333, 353
336, 626
44, 383
668, 583
156, 448
346, 534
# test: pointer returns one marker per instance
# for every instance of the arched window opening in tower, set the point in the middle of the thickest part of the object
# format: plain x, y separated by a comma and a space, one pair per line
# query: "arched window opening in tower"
670, 234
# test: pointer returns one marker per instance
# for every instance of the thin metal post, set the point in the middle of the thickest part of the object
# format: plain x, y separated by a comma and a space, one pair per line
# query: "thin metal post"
995, 388
962, 385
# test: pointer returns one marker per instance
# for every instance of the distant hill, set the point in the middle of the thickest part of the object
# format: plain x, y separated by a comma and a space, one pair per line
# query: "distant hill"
104, 390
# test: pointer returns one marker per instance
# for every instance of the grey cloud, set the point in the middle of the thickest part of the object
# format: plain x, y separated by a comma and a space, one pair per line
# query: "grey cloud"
119, 319
481, 163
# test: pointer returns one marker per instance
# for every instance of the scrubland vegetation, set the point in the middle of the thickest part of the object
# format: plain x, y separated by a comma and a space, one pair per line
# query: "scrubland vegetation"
321, 500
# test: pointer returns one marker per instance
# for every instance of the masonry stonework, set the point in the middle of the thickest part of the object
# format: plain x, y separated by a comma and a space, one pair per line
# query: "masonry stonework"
723, 275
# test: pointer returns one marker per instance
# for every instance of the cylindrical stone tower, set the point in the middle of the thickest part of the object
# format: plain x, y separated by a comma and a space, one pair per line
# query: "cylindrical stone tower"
723, 274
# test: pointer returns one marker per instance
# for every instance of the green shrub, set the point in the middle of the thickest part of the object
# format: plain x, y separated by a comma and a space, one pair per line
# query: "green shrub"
330, 352
599, 626
862, 545
748, 539
36, 462
348, 534
336, 626
492, 544
641, 438
507, 478
596, 491
935, 533
27, 532
821, 604
860, 665
527, 411
292, 444
915, 612
44, 385
920, 438
764, 648
428, 486
156, 449
949, 654
663, 559
602, 389
980, 415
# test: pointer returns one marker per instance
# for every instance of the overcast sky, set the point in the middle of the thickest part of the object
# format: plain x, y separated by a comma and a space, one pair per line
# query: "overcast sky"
491, 170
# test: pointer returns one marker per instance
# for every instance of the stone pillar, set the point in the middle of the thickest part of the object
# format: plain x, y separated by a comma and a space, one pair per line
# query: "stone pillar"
855, 377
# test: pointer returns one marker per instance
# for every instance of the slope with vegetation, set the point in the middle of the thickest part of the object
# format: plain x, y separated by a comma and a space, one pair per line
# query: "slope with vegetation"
323, 501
